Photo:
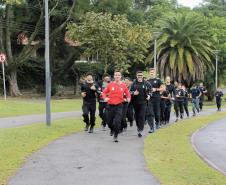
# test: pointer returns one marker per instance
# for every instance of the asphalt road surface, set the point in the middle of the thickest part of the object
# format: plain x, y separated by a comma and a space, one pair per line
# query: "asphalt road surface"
210, 144
88, 159
37, 118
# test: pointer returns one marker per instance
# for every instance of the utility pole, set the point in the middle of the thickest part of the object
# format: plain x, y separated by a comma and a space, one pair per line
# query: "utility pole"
155, 55
47, 66
216, 71
156, 35
2, 60
216, 52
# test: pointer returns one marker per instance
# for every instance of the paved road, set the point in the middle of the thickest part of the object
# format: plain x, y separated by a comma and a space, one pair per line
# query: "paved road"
210, 144
40, 118
88, 159
37, 118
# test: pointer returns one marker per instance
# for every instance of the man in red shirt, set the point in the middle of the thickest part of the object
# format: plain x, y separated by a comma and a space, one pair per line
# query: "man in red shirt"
115, 94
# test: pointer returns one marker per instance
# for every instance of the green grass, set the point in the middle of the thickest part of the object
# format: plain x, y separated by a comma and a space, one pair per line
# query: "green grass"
16, 144
15, 107
171, 158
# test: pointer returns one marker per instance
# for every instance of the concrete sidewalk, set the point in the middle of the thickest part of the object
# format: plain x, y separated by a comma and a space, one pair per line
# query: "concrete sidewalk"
210, 143
88, 159
16, 121
37, 118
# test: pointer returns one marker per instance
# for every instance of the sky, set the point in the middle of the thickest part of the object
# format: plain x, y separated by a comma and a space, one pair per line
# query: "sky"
189, 3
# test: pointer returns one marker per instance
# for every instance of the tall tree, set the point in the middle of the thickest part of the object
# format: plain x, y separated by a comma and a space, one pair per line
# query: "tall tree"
215, 12
217, 30
15, 19
213, 8
116, 41
112, 6
184, 50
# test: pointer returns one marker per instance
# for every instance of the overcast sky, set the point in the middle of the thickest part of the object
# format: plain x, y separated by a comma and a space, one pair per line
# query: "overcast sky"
189, 3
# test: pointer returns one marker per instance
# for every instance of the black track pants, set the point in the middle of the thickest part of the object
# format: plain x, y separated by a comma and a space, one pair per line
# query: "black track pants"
140, 111
89, 110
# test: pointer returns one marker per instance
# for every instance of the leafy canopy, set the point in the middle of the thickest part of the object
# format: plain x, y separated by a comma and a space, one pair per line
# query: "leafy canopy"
184, 49
117, 42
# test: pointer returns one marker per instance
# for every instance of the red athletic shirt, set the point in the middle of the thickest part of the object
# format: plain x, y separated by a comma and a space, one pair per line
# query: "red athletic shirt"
116, 93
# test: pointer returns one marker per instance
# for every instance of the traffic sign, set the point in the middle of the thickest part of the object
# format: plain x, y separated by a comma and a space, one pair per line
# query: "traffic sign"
2, 57
2, 60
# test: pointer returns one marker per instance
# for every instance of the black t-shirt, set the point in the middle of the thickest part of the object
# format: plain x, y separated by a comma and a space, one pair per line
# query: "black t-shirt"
155, 83
195, 92
165, 94
186, 95
179, 95
90, 94
202, 89
171, 89
144, 89
219, 95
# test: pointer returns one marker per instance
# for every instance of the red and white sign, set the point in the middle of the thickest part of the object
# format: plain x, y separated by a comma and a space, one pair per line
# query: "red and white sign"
2, 57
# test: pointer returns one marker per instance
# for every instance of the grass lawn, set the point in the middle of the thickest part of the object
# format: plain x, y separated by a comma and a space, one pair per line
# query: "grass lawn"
15, 107
16, 144
171, 158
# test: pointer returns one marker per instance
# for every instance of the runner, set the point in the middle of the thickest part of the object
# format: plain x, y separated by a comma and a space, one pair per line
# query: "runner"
102, 104
149, 117
140, 91
155, 96
203, 91
115, 94
179, 102
186, 96
125, 108
130, 110
171, 89
165, 97
195, 95
88, 92
219, 94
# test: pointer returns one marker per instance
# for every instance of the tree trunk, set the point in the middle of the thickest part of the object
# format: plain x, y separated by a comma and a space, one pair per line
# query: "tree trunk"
2, 49
13, 85
106, 66
77, 86
12, 77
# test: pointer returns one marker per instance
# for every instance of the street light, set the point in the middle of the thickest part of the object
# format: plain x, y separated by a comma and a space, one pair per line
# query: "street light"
216, 52
47, 66
156, 36
155, 55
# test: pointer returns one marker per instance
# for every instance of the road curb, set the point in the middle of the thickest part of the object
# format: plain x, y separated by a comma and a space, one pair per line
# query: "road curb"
203, 157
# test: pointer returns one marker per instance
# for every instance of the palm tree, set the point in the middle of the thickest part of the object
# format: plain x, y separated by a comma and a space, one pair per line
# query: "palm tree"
184, 51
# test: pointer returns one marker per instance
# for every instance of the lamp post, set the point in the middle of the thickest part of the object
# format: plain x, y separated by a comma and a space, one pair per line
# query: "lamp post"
47, 66
155, 55
216, 52
155, 36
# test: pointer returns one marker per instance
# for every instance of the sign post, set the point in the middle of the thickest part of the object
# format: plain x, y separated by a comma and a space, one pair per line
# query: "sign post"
216, 52
2, 60
47, 66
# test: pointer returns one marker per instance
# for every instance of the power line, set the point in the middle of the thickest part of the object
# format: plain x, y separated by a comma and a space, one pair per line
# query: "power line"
26, 28
34, 6
14, 28
21, 26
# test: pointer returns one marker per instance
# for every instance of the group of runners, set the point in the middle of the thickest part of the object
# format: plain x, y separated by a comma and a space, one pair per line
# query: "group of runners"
140, 100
